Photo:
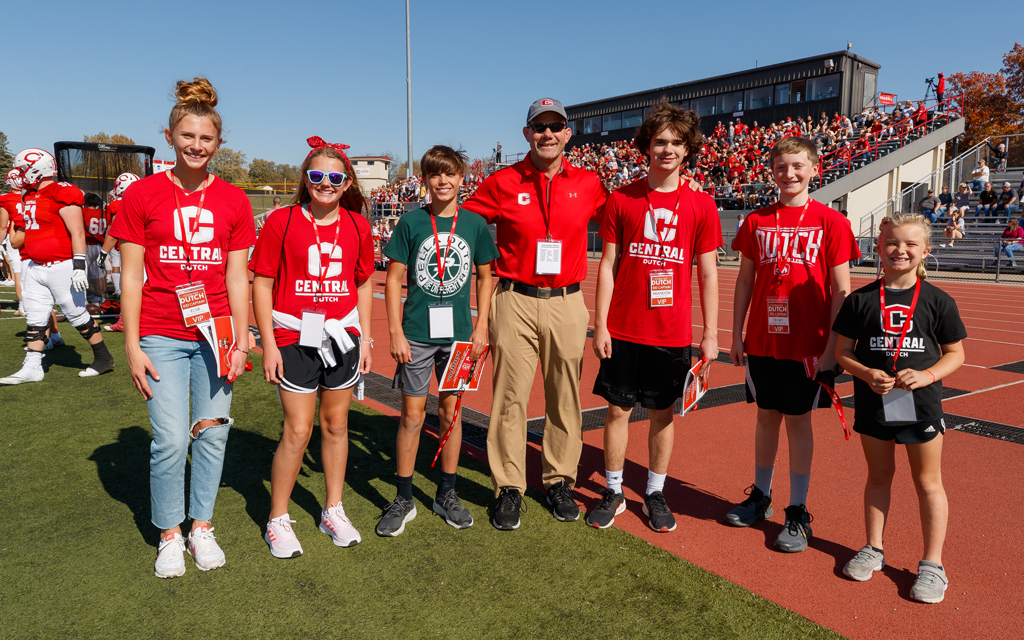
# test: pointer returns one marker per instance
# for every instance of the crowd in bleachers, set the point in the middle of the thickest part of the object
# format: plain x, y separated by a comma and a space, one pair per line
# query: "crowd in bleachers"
733, 161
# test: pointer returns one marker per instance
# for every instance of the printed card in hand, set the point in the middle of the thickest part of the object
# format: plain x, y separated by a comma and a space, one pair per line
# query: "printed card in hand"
696, 386
220, 333
461, 373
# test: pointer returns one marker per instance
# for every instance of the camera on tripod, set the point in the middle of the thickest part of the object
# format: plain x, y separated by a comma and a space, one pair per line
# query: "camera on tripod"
929, 81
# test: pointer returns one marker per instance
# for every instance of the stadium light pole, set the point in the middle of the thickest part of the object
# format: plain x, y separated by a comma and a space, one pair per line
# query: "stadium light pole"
408, 88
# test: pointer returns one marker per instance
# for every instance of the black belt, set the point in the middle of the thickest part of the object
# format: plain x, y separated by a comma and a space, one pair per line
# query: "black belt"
538, 292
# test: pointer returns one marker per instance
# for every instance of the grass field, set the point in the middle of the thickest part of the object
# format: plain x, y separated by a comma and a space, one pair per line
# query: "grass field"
77, 545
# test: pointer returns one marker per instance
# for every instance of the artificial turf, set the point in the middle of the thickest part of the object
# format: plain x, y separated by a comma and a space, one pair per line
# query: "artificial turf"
77, 546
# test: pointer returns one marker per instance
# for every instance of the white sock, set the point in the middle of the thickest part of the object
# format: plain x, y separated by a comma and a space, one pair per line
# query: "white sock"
655, 481
117, 281
34, 359
614, 480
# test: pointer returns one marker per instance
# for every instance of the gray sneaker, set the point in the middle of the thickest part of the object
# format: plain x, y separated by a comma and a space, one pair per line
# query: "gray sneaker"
796, 533
396, 514
867, 561
449, 507
931, 583
756, 507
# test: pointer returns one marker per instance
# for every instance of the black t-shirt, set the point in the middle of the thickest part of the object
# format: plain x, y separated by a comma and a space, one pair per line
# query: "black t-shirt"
936, 322
987, 197
1006, 196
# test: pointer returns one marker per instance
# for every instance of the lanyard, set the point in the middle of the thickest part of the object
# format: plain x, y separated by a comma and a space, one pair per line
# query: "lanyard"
654, 221
545, 202
437, 246
778, 240
319, 248
906, 321
192, 228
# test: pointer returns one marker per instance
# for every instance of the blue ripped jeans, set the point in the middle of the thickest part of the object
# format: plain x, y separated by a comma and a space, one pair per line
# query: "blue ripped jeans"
188, 377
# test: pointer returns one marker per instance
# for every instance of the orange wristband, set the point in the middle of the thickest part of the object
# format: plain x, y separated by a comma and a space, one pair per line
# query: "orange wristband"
929, 372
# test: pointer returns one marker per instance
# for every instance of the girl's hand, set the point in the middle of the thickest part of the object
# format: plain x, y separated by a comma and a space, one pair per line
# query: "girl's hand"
880, 381
910, 379
237, 365
273, 365
140, 366
365, 360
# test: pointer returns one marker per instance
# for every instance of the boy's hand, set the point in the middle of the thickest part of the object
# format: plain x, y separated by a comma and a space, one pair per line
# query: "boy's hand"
880, 381
479, 340
602, 343
736, 353
695, 186
400, 349
708, 350
910, 379
827, 362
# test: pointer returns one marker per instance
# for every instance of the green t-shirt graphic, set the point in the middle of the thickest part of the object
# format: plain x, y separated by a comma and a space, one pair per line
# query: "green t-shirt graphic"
412, 244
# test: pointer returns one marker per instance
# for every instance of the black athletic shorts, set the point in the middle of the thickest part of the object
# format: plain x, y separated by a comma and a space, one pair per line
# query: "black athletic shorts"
917, 433
783, 386
652, 376
304, 370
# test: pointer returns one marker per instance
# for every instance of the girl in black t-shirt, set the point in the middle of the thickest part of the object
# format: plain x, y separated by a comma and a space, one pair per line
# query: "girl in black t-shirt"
900, 336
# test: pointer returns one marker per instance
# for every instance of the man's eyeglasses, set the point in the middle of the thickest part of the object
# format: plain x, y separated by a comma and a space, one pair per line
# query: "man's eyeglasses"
316, 177
541, 127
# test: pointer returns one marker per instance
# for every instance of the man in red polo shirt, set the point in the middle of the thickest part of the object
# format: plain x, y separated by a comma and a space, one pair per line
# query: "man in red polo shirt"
541, 206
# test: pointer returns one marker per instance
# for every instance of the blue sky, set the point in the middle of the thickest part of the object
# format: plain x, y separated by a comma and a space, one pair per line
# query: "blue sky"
286, 71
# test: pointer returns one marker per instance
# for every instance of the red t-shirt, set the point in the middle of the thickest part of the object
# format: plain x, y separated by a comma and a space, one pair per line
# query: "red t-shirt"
518, 200
9, 202
824, 240
95, 225
46, 235
296, 269
684, 234
150, 219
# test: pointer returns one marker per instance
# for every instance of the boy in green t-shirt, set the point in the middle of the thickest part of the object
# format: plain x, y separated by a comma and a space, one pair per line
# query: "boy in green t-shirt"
439, 245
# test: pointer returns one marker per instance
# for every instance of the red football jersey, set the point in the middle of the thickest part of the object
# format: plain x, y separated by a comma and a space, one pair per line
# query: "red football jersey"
678, 235
95, 225
203, 239
523, 204
823, 240
297, 268
11, 203
46, 235
112, 209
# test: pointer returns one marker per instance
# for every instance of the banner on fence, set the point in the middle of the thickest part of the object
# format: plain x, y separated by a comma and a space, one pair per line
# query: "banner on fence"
887, 98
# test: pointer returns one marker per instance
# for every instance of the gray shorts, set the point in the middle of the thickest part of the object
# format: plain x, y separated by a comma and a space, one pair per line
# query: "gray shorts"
413, 377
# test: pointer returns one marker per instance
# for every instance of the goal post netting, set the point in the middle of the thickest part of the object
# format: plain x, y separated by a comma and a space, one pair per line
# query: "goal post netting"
93, 166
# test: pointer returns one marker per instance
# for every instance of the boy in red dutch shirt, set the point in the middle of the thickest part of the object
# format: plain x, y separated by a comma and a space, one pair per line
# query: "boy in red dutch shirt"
652, 231
794, 276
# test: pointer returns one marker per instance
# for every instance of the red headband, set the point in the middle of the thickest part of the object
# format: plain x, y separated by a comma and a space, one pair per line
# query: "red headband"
316, 142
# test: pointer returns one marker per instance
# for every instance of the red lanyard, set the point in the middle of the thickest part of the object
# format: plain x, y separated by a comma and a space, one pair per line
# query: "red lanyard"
319, 248
192, 228
437, 246
906, 321
778, 240
654, 221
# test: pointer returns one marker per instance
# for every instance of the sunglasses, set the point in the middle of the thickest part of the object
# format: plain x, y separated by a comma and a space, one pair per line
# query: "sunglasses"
541, 127
316, 177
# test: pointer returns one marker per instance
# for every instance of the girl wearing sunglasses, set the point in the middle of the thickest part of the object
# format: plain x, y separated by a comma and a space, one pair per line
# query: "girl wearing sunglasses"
313, 299
191, 231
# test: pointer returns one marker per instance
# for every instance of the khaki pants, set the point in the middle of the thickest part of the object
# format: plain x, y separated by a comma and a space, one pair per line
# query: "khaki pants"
521, 330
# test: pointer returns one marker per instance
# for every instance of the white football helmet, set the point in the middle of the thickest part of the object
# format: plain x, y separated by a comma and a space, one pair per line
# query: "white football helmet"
14, 180
34, 165
121, 183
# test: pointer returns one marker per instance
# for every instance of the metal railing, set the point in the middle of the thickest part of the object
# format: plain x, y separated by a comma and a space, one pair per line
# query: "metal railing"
964, 259
950, 174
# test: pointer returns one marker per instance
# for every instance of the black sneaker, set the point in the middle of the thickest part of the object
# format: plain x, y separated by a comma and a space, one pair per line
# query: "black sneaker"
756, 507
449, 507
563, 502
603, 516
797, 531
660, 517
506, 510
392, 521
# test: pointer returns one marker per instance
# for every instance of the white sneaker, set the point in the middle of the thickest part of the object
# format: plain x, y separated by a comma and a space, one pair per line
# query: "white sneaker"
334, 523
7, 283
943, 245
170, 557
30, 372
55, 340
282, 540
203, 547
